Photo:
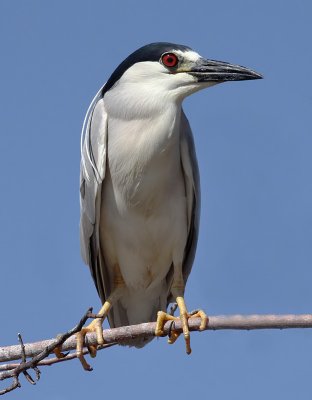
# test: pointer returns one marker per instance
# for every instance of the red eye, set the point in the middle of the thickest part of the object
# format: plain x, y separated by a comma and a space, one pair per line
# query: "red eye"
170, 60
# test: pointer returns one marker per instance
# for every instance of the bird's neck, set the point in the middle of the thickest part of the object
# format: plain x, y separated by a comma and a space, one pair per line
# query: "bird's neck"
132, 102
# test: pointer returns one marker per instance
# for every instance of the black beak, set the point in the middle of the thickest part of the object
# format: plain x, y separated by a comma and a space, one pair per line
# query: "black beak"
219, 71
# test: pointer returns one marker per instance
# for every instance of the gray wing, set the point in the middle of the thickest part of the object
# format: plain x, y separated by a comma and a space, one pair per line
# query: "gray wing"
92, 174
192, 187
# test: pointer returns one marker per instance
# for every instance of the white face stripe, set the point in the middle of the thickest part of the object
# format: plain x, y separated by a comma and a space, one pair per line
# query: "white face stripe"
188, 55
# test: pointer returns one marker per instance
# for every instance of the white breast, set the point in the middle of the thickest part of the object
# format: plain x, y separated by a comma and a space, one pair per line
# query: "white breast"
144, 156
143, 213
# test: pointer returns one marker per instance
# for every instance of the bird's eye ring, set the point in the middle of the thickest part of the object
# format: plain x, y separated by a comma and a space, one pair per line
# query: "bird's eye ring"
169, 60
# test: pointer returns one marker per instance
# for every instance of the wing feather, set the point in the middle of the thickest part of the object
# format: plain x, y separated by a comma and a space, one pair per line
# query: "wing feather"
192, 188
92, 174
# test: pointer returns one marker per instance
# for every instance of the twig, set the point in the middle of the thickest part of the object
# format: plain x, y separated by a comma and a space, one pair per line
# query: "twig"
26, 374
32, 364
50, 361
40, 350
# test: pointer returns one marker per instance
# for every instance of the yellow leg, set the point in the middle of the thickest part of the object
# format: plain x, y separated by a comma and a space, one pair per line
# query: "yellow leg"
162, 317
96, 324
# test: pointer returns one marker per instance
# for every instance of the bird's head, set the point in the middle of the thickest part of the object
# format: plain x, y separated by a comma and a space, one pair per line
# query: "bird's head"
165, 70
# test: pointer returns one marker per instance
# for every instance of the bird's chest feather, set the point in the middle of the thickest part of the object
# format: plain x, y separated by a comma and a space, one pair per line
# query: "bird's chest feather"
144, 159
143, 199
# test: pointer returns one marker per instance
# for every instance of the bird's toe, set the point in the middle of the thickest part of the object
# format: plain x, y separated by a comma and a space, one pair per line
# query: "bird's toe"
94, 326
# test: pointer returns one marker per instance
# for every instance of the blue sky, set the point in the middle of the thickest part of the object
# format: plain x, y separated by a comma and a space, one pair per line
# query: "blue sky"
253, 142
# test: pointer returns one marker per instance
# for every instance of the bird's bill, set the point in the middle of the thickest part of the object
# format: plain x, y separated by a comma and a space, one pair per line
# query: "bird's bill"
219, 71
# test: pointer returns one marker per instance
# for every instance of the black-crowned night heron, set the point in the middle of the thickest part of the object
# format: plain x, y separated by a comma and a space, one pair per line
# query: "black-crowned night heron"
140, 194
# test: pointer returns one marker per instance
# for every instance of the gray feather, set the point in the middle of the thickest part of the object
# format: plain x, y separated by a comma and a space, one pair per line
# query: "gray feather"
92, 174
192, 187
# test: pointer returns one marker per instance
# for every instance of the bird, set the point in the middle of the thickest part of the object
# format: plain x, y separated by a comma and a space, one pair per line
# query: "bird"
140, 188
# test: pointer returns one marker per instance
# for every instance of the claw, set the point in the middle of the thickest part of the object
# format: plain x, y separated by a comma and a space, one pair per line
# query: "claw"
92, 350
58, 352
163, 317
173, 336
203, 316
94, 326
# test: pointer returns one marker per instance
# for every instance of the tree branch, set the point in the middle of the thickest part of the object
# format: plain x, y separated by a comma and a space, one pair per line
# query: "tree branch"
24, 365
39, 351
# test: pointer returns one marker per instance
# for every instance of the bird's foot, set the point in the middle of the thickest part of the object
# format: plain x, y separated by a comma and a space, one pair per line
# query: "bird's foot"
94, 326
163, 317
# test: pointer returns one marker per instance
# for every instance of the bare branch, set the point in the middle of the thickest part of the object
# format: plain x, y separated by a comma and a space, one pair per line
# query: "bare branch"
39, 351
126, 333
32, 364
50, 361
